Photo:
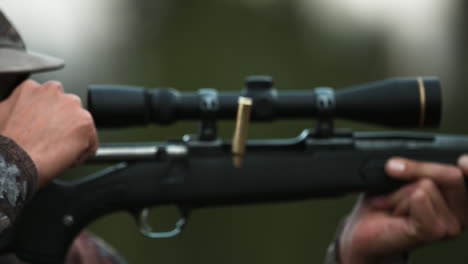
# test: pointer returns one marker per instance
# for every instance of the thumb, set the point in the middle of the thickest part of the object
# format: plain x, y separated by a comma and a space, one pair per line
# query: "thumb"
463, 163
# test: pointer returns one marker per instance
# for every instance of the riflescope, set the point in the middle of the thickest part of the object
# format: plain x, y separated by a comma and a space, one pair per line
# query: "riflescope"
397, 102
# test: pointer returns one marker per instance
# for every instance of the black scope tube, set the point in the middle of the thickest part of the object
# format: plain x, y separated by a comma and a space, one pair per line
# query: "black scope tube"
397, 102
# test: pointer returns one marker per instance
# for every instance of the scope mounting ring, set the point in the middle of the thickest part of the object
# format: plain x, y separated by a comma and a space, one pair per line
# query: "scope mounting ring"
209, 105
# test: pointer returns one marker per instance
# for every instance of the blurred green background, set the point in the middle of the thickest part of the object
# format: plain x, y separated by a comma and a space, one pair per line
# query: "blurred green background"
216, 43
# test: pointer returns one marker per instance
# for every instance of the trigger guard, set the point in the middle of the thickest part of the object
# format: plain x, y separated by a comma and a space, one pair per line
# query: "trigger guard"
146, 229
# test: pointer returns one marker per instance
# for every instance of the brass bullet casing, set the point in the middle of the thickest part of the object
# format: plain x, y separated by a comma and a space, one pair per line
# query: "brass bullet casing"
240, 133
422, 99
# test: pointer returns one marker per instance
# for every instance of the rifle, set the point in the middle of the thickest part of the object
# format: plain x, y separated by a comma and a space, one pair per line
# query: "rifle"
198, 170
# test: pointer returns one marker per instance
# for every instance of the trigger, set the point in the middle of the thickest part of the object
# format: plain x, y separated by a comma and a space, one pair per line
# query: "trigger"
146, 229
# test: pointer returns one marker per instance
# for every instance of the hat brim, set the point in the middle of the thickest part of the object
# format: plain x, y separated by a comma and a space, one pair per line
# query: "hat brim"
20, 61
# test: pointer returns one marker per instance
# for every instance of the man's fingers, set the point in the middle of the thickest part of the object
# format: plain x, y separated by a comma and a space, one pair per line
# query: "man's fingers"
411, 170
445, 214
449, 178
400, 199
90, 151
463, 163
402, 208
28, 84
430, 218
93, 142
390, 201
425, 207
422, 223
93, 138
401, 203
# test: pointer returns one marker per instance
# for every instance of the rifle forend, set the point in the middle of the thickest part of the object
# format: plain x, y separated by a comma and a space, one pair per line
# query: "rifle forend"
398, 102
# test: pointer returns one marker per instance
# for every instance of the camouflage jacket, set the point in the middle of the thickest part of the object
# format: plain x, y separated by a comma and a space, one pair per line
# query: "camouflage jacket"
18, 183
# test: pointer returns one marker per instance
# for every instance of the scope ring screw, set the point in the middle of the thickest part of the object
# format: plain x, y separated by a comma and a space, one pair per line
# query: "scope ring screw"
68, 220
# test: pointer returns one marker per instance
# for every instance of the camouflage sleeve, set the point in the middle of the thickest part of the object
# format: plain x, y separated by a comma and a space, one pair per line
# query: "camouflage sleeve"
18, 182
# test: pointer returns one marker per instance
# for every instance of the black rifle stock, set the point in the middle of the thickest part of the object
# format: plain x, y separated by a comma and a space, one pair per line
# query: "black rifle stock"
197, 171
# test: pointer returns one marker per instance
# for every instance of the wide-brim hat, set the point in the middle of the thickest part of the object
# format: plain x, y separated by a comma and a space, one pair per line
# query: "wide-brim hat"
15, 59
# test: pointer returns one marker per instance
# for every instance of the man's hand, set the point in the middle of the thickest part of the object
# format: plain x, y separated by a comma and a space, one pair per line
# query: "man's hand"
51, 126
433, 206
